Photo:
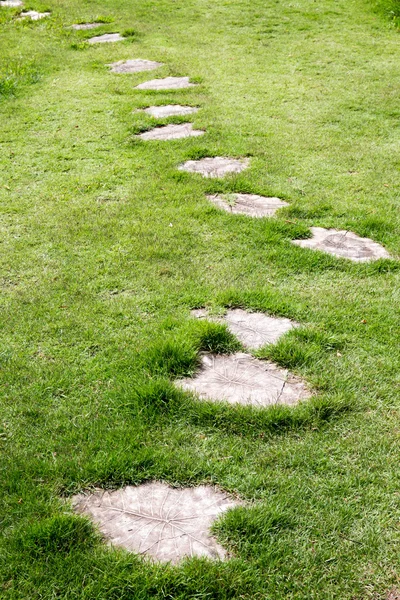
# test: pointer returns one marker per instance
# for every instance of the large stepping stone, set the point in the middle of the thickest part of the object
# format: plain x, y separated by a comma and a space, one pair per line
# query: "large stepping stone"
107, 37
156, 520
34, 15
11, 3
84, 26
135, 65
247, 204
170, 110
253, 329
171, 132
242, 379
215, 167
168, 83
344, 244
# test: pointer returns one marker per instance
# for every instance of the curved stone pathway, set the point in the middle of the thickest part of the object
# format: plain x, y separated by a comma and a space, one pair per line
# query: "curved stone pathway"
106, 38
171, 132
11, 3
84, 26
168, 83
135, 65
247, 204
170, 110
344, 244
216, 167
156, 520
33, 15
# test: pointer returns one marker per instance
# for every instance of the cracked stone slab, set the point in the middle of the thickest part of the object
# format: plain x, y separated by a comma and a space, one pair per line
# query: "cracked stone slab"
215, 167
344, 244
170, 110
168, 83
34, 15
171, 132
136, 65
84, 26
248, 204
11, 3
241, 379
157, 520
107, 37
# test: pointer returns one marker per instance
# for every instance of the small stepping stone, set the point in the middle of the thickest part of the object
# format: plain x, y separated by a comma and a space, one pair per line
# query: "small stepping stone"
169, 83
344, 244
248, 204
134, 66
84, 26
157, 520
107, 37
171, 132
215, 167
33, 15
242, 379
11, 3
171, 110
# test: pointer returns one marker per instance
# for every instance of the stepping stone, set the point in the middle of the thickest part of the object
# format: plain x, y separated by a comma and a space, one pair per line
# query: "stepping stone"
248, 204
241, 379
156, 520
171, 110
344, 244
169, 83
215, 167
33, 15
171, 132
11, 3
107, 37
83, 26
134, 66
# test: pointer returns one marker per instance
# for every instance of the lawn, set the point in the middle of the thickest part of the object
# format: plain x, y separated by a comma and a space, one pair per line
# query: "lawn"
107, 246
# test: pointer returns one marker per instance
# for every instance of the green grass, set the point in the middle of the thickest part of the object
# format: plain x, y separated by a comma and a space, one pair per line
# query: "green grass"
106, 247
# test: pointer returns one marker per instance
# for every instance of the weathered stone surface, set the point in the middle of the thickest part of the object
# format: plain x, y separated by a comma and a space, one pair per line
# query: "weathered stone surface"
84, 26
248, 204
11, 3
168, 83
107, 37
171, 110
344, 244
215, 167
156, 520
33, 15
135, 65
242, 379
171, 132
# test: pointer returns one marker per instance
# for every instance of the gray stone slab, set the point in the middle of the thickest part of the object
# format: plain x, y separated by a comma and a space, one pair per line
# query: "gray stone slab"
34, 15
168, 83
170, 110
11, 3
136, 65
106, 38
153, 519
248, 204
215, 167
84, 26
344, 244
241, 379
171, 132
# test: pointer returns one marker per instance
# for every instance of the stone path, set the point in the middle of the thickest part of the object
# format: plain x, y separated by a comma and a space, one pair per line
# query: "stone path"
106, 38
135, 65
171, 132
170, 110
344, 244
168, 83
248, 204
154, 519
33, 15
84, 26
215, 167
242, 379
11, 3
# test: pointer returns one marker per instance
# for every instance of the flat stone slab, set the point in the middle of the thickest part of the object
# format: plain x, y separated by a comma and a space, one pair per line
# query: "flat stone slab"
156, 520
11, 3
33, 15
171, 132
344, 244
135, 65
84, 26
248, 204
241, 379
107, 37
168, 83
171, 110
215, 167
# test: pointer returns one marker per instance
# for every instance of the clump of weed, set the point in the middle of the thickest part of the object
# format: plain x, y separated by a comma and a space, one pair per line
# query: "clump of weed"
156, 395
215, 338
80, 45
16, 74
130, 33
171, 358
